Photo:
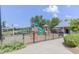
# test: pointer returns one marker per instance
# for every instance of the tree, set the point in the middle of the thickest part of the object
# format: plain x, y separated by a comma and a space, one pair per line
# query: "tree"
3, 24
39, 20
74, 24
53, 22
43, 22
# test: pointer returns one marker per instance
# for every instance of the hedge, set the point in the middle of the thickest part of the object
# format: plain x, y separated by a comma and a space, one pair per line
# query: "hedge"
71, 40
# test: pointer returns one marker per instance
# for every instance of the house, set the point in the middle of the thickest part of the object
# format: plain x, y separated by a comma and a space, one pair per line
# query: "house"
64, 26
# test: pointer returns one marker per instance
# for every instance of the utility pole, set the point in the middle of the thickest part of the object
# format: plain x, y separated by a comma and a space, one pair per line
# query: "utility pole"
0, 26
13, 29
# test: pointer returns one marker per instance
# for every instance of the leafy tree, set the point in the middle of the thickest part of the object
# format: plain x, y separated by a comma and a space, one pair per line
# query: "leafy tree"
43, 22
53, 22
3, 24
74, 24
39, 20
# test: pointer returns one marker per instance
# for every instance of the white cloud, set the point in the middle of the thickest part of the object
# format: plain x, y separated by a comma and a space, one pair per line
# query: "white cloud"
68, 16
52, 9
16, 25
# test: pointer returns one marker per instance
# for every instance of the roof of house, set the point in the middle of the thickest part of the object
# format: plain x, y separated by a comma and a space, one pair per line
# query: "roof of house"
62, 24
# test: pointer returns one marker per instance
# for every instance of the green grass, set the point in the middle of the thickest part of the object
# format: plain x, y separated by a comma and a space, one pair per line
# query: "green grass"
11, 47
72, 40
8, 33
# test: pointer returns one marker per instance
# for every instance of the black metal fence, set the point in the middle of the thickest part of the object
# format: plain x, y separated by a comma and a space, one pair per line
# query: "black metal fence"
29, 38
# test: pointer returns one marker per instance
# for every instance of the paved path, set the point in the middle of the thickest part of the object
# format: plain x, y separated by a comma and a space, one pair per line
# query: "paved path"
52, 46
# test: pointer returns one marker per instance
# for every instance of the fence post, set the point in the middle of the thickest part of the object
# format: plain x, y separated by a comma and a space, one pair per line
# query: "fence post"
45, 35
33, 33
23, 37
0, 28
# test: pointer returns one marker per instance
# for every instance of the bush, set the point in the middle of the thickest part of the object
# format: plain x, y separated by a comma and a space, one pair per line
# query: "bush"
72, 40
11, 47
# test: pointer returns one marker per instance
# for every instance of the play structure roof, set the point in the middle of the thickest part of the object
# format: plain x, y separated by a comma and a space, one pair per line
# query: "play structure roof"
62, 24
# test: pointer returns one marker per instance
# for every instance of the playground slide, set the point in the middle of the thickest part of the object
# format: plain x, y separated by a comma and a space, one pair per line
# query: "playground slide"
40, 29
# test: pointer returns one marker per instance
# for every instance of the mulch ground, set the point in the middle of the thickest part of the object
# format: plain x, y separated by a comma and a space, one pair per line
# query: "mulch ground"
74, 50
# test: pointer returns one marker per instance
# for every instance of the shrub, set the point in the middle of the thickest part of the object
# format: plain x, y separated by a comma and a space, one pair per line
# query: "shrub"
72, 40
11, 47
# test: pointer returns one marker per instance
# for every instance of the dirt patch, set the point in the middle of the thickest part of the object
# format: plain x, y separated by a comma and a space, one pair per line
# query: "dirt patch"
74, 50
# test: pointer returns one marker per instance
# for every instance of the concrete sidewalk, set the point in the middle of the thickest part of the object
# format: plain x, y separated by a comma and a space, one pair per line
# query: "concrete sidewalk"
47, 47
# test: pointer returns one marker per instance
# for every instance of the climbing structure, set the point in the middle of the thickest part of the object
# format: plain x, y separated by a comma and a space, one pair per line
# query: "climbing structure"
40, 29
38, 22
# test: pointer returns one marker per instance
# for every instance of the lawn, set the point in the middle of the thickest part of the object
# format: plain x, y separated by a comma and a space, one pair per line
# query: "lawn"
10, 32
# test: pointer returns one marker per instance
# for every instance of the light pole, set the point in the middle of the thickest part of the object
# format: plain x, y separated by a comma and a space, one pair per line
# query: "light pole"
0, 27
13, 29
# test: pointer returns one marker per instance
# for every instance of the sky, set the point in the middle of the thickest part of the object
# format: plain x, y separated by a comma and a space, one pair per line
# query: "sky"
20, 15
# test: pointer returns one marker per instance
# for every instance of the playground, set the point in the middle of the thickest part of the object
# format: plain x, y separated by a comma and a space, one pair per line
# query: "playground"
38, 32
52, 34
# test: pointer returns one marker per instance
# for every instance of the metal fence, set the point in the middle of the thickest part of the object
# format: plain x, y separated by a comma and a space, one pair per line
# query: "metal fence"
28, 38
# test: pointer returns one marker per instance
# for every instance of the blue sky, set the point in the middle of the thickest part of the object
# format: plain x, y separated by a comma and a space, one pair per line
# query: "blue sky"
20, 15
